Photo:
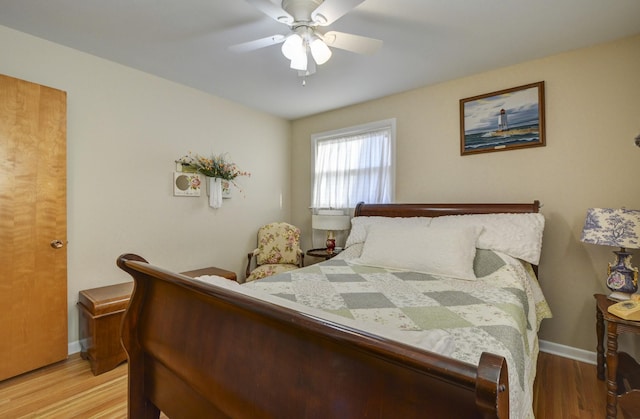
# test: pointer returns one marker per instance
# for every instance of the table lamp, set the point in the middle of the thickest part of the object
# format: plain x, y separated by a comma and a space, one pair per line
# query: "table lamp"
618, 228
330, 220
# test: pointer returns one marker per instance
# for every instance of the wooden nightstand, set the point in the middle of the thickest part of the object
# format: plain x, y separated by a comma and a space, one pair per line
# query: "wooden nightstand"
322, 253
623, 387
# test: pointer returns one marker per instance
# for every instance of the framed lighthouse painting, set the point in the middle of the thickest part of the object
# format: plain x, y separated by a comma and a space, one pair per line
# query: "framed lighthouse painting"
504, 120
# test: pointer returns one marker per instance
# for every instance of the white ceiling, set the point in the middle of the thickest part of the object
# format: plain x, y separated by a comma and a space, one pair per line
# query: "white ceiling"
425, 42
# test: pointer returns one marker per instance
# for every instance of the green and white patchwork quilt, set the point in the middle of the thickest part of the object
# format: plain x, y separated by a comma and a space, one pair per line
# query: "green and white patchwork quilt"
500, 312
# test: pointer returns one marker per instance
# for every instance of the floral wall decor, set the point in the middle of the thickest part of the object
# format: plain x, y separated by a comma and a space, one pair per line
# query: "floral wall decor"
220, 173
186, 184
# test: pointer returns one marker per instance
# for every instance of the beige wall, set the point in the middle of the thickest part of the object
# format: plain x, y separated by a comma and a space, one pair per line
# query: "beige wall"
126, 127
125, 130
593, 114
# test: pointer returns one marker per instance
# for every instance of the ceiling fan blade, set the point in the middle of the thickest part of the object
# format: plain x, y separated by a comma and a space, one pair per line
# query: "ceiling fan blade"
354, 43
258, 43
331, 10
275, 12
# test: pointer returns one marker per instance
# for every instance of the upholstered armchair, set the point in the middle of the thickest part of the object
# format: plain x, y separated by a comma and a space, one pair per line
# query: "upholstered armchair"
278, 251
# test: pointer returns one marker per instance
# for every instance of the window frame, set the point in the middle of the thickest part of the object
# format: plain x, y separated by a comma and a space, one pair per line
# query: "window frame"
353, 131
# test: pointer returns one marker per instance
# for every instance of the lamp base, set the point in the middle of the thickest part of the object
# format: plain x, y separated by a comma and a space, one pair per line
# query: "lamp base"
331, 245
331, 242
623, 278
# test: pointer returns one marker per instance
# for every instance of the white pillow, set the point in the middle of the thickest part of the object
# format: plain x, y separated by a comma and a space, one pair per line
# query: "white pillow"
517, 235
359, 226
447, 251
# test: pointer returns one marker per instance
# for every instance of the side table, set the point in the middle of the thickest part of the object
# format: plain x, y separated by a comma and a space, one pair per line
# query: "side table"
322, 253
623, 387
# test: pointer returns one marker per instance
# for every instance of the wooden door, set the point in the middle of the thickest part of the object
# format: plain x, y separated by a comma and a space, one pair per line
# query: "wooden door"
33, 226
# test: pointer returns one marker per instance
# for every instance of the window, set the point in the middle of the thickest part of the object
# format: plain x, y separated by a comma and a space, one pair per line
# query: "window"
353, 165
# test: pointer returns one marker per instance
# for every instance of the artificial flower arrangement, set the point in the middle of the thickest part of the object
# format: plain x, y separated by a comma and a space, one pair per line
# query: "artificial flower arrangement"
217, 166
221, 173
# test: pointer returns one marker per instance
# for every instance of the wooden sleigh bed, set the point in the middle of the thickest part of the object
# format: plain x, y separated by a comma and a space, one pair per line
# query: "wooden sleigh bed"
197, 350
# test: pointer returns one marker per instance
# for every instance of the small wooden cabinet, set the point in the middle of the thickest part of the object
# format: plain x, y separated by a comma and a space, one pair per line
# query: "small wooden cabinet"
101, 312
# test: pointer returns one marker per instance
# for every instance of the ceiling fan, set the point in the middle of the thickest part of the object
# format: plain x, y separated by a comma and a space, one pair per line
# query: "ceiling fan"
305, 45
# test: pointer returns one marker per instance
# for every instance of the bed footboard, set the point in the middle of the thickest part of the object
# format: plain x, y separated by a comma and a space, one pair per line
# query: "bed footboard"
196, 350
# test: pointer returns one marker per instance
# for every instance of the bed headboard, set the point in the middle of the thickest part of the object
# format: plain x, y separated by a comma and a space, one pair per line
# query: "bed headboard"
437, 210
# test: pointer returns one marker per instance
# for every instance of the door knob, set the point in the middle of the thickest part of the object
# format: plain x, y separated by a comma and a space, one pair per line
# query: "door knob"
56, 244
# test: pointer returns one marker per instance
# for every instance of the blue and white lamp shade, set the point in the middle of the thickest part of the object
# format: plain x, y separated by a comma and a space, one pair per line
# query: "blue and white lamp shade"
620, 228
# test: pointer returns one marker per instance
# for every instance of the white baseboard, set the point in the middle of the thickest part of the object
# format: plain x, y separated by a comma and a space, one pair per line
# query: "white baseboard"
568, 352
73, 347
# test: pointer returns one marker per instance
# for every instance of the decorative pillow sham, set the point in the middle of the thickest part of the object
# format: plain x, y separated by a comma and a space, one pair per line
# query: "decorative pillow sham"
446, 251
359, 226
517, 235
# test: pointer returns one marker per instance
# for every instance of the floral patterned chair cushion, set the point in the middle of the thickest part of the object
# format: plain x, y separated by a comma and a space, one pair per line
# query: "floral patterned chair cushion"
263, 271
278, 251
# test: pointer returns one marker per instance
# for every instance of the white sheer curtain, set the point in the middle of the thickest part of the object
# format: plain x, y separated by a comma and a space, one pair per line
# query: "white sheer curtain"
353, 168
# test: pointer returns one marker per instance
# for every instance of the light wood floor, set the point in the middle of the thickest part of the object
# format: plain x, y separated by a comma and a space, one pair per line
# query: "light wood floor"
564, 389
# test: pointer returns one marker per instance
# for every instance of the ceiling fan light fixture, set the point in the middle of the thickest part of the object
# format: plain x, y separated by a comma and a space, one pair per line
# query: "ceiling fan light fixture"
299, 62
320, 51
293, 46
306, 47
